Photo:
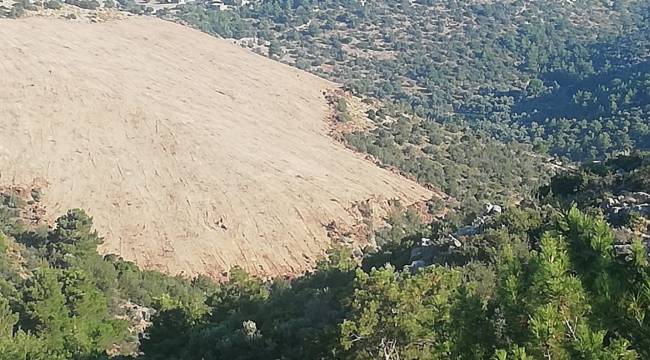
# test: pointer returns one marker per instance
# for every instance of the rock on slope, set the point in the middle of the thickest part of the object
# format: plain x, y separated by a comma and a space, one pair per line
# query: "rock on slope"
191, 154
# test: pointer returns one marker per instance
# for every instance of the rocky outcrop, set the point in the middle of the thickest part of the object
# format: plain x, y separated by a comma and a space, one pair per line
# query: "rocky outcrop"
627, 203
619, 209
423, 254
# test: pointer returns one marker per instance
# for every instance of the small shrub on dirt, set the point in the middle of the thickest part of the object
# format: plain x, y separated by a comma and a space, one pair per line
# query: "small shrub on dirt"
341, 105
53, 4
343, 117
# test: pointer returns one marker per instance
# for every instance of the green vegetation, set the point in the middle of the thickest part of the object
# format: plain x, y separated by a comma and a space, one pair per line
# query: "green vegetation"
497, 65
463, 163
474, 97
477, 95
533, 282
20, 6
60, 300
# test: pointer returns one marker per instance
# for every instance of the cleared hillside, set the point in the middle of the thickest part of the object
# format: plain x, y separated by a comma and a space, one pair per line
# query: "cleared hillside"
191, 154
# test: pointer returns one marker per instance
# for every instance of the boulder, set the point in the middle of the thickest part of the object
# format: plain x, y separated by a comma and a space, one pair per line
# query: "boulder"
609, 202
479, 222
623, 250
488, 208
639, 197
644, 209
630, 200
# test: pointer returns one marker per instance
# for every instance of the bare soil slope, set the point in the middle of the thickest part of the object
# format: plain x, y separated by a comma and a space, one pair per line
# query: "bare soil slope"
191, 154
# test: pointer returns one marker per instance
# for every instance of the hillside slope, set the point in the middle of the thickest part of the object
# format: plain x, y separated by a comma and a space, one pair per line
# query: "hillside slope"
191, 154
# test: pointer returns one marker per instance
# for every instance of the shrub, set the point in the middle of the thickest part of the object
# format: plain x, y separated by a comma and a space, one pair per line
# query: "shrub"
53, 4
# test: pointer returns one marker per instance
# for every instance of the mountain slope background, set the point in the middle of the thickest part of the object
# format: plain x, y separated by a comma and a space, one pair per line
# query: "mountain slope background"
191, 154
559, 271
490, 72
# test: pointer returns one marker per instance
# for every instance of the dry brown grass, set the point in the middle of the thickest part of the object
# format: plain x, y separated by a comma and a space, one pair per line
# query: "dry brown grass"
191, 154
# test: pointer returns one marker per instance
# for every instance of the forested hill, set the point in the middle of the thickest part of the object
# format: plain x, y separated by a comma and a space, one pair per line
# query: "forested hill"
566, 279
595, 115
519, 82
485, 62
471, 97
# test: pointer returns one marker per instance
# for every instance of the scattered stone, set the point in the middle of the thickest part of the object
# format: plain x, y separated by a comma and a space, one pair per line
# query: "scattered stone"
488, 208
250, 328
639, 197
644, 209
416, 265
623, 249
456, 242
492, 209
425, 242
630, 200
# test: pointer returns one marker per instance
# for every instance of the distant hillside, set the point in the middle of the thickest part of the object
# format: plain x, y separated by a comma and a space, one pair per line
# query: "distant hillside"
470, 95
191, 154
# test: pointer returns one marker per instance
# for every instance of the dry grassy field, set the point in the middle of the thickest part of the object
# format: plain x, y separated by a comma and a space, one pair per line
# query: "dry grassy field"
191, 154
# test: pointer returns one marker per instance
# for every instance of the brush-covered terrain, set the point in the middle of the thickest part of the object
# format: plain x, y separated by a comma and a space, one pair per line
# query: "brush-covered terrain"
567, 278
477, 186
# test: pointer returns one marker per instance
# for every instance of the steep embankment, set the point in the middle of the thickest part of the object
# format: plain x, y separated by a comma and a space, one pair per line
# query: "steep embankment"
191, 154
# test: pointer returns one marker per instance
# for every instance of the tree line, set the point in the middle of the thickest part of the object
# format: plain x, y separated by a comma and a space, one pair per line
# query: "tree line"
541, 280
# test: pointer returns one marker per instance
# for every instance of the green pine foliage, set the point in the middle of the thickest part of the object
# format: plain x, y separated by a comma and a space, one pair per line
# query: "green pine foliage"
59, 299
548, 286
536, 282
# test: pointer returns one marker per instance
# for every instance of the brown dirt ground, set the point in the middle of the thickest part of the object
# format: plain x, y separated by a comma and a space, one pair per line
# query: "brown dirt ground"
192, 154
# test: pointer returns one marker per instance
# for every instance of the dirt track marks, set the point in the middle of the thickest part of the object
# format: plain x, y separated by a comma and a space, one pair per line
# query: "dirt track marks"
191, 154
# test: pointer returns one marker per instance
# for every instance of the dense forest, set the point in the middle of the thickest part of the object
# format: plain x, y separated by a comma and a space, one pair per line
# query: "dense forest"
565, 277
491, 65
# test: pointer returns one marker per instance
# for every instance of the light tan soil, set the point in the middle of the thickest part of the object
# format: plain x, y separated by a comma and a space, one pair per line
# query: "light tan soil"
192, 154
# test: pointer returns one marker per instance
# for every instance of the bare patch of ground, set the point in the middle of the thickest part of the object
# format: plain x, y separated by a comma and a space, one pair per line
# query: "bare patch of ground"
192, 154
